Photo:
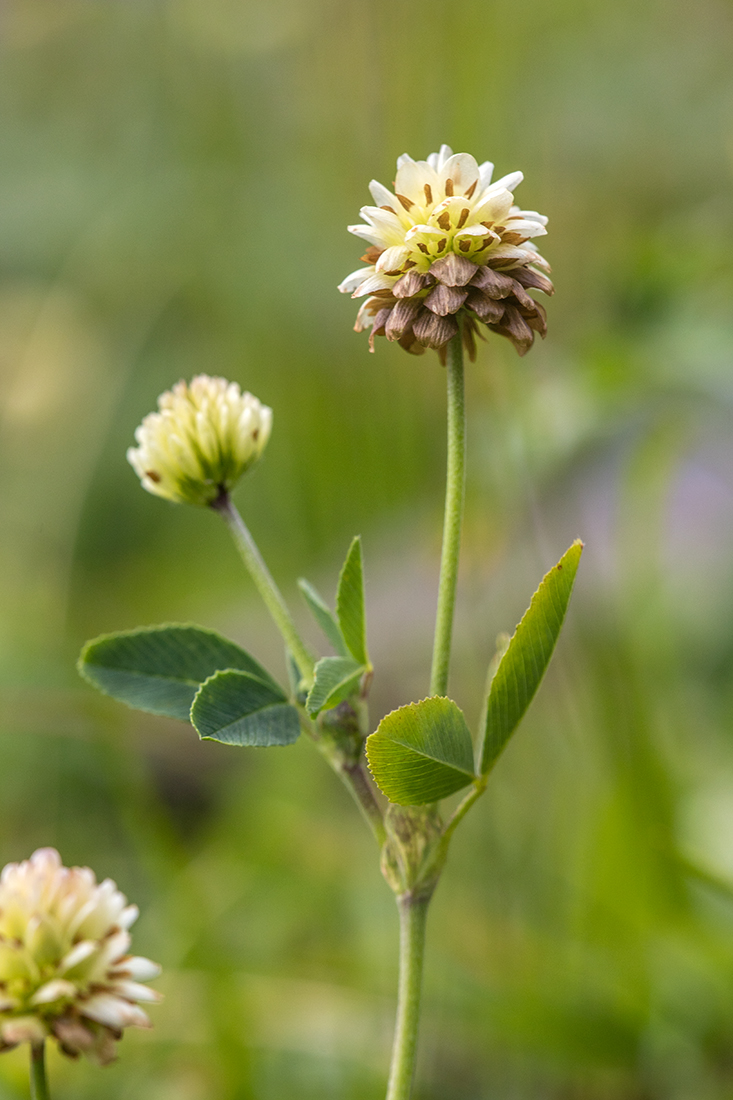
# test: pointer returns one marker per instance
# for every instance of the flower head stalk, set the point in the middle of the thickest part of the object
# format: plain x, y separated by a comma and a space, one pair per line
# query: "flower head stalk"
206, 434
449, 241
65, 968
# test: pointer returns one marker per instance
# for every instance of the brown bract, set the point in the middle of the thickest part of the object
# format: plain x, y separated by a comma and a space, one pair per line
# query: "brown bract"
422, 311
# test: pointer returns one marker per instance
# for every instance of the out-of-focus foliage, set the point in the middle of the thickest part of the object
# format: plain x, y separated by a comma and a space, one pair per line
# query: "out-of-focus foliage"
176, 180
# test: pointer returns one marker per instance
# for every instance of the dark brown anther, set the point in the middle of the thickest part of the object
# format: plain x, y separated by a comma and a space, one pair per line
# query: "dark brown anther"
453, 270
442, 243
465, 244
391, 209
449, 188
153, 475
444, 221
428, 193
445, 299
372, 254
464, 217
407, 203
422, 247
472, 188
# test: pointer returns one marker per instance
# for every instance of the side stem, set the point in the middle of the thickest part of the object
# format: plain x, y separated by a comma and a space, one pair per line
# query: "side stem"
265, 584
39, 1085
454, 498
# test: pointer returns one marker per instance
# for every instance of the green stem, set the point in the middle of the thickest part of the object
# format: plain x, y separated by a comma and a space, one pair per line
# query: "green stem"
454, 497
464, 806
413, 916
39, 1085
265, 585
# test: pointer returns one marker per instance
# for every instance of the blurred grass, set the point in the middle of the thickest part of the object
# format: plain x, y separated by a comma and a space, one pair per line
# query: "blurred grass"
175, 185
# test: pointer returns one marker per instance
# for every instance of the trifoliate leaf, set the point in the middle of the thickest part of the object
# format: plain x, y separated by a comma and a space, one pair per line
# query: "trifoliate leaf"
350, 604
159, 668
527, 656
334, 679
238, 709
421, 752
324, 617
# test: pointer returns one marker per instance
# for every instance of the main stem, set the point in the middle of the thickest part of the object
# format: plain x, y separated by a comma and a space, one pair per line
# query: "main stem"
455, 491
39, 1085
265, 584
413, 916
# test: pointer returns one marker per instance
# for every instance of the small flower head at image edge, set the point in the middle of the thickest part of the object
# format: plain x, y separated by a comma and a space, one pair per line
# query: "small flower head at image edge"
204, 437
65, 970
449, 247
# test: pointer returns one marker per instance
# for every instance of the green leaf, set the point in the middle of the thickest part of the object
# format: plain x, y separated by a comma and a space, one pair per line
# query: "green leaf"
421, 752
324, 617
350, 604
238, 709
159, 668
523, 664
335, 679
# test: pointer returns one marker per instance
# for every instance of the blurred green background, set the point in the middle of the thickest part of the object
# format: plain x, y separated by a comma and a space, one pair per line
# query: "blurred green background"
176, 180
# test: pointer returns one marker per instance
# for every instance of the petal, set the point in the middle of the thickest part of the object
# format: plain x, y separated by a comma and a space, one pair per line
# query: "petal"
113, 1012
352, 281
133, 991
392, 259
509, 182
493, 207
377, 281
53, 991
382, 195
412, 179
485, 172
462, 170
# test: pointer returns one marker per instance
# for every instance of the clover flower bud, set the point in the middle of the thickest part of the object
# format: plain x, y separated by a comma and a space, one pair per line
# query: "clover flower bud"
447, 245
65, 971
200, 442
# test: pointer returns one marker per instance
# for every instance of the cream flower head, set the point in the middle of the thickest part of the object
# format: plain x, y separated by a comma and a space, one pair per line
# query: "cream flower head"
204, 437
65, 971
449, 242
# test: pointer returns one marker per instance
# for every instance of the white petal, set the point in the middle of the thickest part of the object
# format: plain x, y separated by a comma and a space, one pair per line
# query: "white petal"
509, 182
382, 195
133, 991
137, 968
128, 916
113, 1012
351, 282
485, 172
53, 991
411, 179
393, 258
367, 233
377, 281
527, 229
79, 953
494, 207
462, 170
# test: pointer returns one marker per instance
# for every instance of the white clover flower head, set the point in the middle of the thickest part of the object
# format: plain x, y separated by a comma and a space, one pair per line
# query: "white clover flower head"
200, 442
449, 242
65, 971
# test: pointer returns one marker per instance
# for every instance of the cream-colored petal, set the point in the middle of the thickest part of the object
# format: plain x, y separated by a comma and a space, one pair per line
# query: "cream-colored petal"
377, 281
392, 259
352, 281
412, 179
53, 991
462, 170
